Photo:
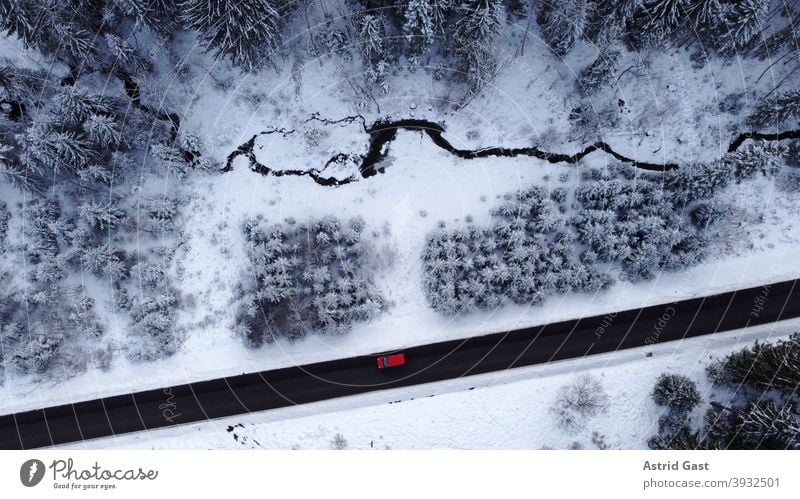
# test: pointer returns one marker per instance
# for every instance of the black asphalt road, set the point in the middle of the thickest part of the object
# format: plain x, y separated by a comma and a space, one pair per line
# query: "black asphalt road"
434, 362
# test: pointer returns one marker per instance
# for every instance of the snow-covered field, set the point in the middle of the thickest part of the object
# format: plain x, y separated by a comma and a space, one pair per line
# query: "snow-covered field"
502, 410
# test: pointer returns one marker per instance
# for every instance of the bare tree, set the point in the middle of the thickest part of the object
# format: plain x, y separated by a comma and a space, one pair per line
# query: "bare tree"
578, 401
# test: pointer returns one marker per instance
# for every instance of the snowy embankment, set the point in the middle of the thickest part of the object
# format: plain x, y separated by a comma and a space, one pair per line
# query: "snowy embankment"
502, 410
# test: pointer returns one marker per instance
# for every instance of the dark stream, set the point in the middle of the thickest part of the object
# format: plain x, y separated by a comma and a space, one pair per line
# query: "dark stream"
382, 133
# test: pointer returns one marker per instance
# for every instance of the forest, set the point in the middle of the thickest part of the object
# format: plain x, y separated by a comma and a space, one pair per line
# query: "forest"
758, 410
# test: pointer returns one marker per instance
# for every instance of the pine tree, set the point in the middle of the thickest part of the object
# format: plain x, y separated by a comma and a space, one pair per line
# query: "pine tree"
778, 112
704, 12
666, 14
440, 11
480, 20
372, 32
100, 216
743, 22
160, 15
676, 392
162, 213
21, 18
418, 26
760, 156
765, 366
152, 316
102, 130
12, 173
599, 73
50, 151
5, 216
245, 30
562, 23
767, 424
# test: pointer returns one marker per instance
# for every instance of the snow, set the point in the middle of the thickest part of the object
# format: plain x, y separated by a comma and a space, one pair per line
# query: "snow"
446, 189
670, 114
502, 410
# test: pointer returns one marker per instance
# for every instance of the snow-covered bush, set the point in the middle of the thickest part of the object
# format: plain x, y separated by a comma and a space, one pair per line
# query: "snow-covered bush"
306, 277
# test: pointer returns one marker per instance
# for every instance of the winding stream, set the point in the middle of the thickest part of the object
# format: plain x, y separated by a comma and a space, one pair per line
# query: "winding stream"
382, 133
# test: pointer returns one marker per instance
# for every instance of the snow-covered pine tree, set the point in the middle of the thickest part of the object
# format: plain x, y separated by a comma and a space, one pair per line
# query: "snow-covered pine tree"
779, 112
12, 172
666, 15
247, 31
418, 25
479, 21
605, 19
5, 216
37, 352
47, 150
765, 366
440, 11
153, 323
82, 316
600, 72
477, 24
160, 15
21, 18
104, 261
372, 31
766, 424
784, 38
761, 157
167, 158
102, 130
161, 213
677, 392
100, 216
562, 23
696, 181
743, 22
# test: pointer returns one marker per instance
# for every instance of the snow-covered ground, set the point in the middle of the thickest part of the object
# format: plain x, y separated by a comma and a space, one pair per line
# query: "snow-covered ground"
421, 179
668, 111
502, 410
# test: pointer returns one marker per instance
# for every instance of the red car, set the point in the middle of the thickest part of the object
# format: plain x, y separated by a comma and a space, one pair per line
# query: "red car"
395, 360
